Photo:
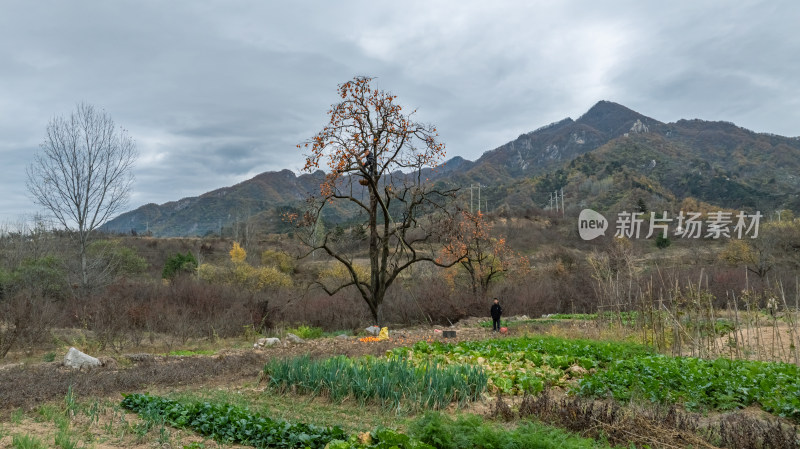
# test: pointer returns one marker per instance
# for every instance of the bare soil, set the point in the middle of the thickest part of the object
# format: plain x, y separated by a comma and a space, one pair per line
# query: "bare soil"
29, 385
774, 340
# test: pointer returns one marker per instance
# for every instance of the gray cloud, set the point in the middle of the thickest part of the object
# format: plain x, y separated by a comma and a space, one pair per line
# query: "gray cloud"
216, 92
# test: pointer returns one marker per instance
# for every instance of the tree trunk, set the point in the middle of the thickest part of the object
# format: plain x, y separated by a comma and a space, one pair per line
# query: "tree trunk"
379, 314
375, 288
84, 269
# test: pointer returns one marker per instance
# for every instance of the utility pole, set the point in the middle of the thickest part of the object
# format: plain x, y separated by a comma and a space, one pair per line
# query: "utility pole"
479, 198
470, 199
554, 196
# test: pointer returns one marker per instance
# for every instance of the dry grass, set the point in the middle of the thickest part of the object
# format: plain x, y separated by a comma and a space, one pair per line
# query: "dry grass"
650, 425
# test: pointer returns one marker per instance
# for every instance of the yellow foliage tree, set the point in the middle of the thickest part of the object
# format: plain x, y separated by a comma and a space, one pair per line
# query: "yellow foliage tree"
238, 254
738, 252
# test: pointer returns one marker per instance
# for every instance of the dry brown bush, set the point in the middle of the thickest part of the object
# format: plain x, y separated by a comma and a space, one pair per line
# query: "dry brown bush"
124, 313
26, 318
343, 310
651, 425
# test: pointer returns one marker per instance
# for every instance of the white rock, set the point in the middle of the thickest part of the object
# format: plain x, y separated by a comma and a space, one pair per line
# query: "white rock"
343, 337
294, 338
268, 341
76, 359
373, 330
639, 127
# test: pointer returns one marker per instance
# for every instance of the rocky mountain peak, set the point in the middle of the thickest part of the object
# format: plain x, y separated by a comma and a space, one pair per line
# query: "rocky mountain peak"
612, 118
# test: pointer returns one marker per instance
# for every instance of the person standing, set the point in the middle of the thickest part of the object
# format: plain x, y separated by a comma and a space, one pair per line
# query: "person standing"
496, 312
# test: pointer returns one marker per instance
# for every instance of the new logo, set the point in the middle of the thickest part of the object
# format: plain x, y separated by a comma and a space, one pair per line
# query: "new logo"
591, 224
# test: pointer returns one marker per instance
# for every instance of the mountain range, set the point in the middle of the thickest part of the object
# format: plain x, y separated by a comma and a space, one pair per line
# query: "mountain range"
610, 158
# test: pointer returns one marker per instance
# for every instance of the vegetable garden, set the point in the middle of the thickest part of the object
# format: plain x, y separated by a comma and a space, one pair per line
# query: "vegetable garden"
426, 393
622, 371
435, 375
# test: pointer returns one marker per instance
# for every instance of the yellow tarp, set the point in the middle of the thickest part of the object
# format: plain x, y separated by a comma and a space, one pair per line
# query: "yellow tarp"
384, 334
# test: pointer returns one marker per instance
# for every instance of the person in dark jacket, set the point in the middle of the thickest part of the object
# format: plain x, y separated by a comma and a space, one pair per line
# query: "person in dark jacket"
496, 312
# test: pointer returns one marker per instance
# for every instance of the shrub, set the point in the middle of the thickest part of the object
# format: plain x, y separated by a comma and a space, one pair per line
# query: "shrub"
116, 257
662, 242
244, 275
5, 282
125, 312
306, 332
212, 273
337, 272
279, 260
340, 311
45, 274
267, 277
179, 263
240, 273
26, 317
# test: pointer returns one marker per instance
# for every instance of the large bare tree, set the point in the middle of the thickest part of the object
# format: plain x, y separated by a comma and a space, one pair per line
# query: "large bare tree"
377, 157
83, 173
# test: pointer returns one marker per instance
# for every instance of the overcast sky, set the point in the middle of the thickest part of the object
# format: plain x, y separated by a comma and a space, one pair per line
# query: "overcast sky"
217, 92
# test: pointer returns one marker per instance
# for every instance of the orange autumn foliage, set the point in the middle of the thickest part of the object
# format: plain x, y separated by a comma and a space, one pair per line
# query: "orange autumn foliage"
486, 258
373, 154
367, 125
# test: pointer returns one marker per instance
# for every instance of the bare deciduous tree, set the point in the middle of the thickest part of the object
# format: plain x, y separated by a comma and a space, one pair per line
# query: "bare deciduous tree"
82, 174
